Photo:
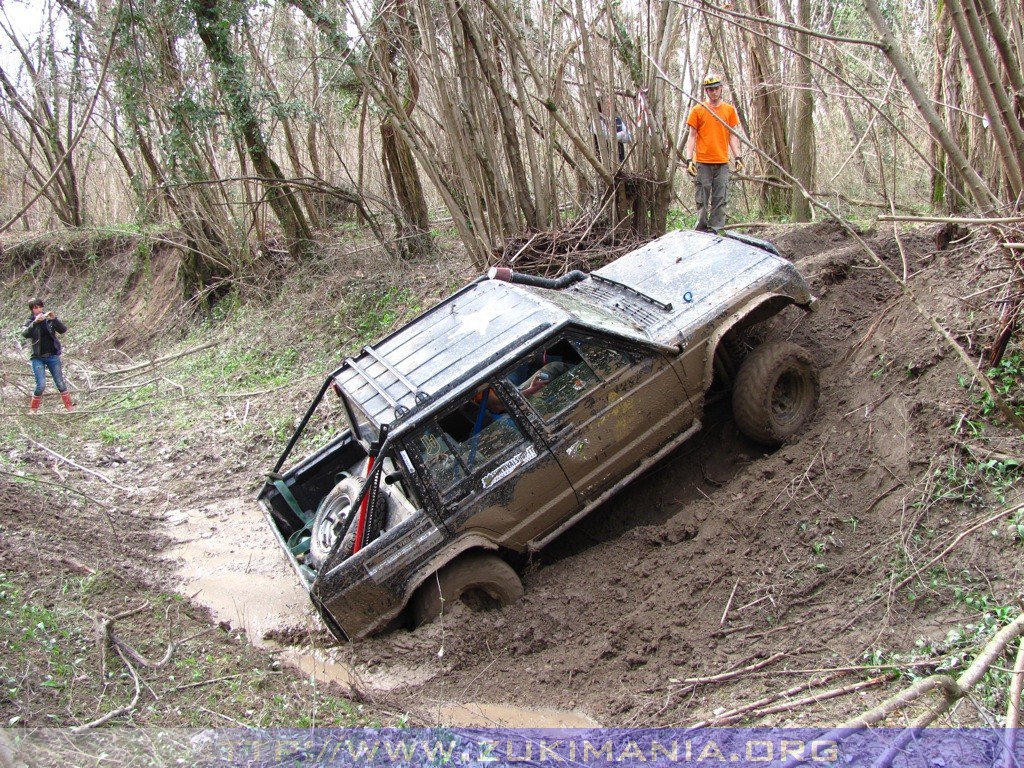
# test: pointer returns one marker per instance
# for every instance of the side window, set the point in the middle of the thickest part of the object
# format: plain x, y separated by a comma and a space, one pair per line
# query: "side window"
439, 455
606, 360
558, 376
467, 439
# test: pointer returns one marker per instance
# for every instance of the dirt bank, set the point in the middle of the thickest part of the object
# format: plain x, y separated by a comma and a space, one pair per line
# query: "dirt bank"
726, 555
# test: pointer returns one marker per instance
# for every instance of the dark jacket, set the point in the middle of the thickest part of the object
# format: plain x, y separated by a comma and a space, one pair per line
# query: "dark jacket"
35, 331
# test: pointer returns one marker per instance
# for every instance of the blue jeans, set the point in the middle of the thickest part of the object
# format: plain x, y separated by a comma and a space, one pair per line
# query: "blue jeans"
39, 366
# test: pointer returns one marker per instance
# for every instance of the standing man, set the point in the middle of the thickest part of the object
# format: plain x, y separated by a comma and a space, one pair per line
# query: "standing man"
43, 328
622, 134
708, 147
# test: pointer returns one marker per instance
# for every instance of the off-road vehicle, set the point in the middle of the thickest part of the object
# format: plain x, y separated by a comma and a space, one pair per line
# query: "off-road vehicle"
497, 419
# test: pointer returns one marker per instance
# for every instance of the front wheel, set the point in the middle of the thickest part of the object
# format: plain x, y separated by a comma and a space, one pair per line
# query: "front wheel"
776, 392
481, 580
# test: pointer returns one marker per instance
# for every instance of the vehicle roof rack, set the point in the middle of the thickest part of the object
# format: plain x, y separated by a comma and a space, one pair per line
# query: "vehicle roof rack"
400, 410
418, 394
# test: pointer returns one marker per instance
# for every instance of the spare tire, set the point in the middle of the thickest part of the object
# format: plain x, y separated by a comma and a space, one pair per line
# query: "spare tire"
776, 392
331, 515
482, 580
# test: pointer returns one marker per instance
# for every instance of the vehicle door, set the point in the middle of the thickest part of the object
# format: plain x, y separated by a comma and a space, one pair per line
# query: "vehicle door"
611, 406
486, 471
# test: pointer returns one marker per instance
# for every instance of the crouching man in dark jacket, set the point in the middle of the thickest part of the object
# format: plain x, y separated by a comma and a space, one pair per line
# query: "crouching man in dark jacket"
43, 328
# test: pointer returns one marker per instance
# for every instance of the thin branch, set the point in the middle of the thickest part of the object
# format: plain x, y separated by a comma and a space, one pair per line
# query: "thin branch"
951, 690
76, 465
149, 364
61, 486
954, 219
1013, 708
126, 709
986, 521
81, 131
694, 681
201, 683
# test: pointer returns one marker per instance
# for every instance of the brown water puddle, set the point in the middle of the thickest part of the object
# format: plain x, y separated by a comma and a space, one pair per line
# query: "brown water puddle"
229, 561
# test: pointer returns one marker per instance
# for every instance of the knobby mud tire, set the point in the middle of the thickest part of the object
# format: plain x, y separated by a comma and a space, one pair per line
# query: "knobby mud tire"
776, 392
481, 580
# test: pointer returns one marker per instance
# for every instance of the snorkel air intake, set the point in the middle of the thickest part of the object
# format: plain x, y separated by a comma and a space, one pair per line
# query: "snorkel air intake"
505, 274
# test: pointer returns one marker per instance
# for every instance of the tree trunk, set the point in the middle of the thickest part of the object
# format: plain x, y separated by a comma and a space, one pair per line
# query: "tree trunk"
768, 116
983, 196
1005, 131
803, 120
233, 81
509, 131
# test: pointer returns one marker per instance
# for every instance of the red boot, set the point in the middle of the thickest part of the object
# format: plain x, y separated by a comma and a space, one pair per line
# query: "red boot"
33, 407
66, 397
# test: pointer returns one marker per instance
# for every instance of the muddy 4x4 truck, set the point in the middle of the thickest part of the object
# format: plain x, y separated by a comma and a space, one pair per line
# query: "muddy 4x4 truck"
497, 419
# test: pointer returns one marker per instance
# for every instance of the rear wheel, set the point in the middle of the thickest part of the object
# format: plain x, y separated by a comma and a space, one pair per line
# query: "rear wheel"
776, 392
481, 580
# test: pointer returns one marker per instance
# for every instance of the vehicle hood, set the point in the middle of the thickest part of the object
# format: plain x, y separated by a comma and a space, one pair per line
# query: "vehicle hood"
685, 279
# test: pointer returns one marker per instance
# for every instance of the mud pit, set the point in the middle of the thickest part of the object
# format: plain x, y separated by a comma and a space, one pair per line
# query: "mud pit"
723, 556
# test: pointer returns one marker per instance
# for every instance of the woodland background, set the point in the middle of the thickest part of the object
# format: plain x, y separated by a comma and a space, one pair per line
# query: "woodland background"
248, 127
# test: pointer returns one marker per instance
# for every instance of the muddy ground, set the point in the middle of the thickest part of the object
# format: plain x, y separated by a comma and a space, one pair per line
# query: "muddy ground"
724, 557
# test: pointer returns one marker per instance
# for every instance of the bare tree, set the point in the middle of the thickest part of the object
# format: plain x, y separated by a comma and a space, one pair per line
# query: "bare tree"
48, 119
230, 73
803, 153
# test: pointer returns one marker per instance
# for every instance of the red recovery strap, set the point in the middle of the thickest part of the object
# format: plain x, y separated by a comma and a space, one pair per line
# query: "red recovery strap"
361, 524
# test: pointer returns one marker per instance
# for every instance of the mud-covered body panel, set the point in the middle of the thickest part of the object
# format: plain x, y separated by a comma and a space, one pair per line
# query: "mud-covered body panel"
508, 411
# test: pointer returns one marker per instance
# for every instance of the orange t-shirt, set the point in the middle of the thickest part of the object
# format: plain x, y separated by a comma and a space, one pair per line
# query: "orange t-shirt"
712, 135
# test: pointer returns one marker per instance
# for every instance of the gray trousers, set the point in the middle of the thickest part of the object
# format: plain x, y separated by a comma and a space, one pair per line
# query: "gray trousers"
711, 193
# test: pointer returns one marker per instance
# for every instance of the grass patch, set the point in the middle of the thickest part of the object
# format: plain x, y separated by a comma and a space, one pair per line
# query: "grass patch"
54, 674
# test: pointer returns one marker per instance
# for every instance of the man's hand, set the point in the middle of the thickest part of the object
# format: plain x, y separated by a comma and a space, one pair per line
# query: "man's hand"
691, 167
738, 165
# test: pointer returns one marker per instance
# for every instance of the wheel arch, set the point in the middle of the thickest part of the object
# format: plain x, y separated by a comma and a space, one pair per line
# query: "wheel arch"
747, 316
470, 542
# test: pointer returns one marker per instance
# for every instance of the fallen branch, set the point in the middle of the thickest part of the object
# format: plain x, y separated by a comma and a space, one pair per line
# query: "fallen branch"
952, 690
721, 678
106, 639
201, 683
953, 220
1013, 708
728, 604
138, 385
31, 479
150, 364
775, 630
76, 465
738, 713
125, 710
825, 695
102, 505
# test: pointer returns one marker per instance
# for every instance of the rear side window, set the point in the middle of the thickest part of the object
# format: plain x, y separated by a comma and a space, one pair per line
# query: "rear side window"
467, 440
